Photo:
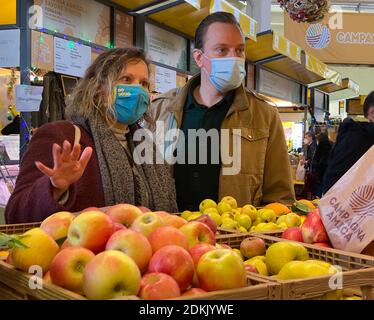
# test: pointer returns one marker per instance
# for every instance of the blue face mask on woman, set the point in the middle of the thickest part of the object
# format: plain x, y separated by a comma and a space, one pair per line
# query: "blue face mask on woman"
227, 73
131, 102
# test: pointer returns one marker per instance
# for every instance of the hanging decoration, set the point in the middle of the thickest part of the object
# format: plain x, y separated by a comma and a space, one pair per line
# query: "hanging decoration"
306, 10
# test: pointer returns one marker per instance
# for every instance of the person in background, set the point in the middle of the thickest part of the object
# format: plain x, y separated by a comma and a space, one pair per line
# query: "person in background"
104, 110
216, 99
354, 139
310, 146
320, 161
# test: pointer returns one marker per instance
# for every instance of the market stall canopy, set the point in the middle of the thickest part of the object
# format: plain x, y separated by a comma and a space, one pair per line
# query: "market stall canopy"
282, 56
185, 15
136, 4
330, 87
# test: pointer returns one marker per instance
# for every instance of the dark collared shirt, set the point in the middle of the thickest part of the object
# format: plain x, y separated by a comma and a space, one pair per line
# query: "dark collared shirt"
199, 181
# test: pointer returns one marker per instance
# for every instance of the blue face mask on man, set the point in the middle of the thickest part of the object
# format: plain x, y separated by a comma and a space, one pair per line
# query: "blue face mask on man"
226, 73
131, 102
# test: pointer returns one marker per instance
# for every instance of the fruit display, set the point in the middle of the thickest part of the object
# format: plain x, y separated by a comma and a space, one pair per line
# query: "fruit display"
127, 253
273, 217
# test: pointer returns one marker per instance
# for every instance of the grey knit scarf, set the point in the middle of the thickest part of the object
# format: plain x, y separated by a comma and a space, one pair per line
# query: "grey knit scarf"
124, 181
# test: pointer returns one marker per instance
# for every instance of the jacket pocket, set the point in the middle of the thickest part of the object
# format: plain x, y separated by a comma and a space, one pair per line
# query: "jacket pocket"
252, 150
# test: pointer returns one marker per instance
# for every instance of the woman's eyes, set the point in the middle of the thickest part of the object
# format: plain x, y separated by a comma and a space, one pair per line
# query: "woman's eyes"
125, 79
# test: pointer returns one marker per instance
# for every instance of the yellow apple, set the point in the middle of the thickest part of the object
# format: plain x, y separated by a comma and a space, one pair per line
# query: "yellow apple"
270, 226
280, 253
215, 216
223, 207
227, 214
210, 210
231, 201
185, 214
293, 220
259, 263
267, 215
256, 222
237, 251
207, 203
260, 226
281, 219
250, 210
40, 251
228, 223
242, 229
194, 216
244, 221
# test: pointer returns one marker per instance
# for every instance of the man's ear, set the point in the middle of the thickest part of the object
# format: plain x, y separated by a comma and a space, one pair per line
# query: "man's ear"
198, 56
371, 114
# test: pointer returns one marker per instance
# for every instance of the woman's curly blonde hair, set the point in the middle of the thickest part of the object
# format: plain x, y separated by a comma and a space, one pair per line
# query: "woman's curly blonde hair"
93, 94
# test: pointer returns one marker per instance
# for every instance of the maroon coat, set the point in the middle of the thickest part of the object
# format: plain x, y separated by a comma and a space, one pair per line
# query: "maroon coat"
32, 199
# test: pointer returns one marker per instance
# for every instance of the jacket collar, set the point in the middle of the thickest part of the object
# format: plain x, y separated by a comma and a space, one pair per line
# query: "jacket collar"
178, 99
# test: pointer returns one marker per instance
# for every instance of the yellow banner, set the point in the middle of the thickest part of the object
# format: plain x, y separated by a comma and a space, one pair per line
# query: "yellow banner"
286, 47
194, 3
338, 38
248, 25
318, 67
8, 12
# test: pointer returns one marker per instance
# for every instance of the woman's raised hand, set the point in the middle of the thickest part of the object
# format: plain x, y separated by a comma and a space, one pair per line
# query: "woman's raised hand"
68, 168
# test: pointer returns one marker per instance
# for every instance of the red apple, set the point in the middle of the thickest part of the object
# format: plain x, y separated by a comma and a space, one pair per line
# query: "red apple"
199, 250
293, 233
134, 244
193, 292
118, 226
65, 244
124, 214
251, 247
57, 224
313, 229
176, 262
198, 232
158, 286
47, 278
322, 244
174, 221
144, 209
67, 268
165, 236
91, 209
161, 213
221, 269
147, 223
222, 246
208, 221
91, 230
109, 275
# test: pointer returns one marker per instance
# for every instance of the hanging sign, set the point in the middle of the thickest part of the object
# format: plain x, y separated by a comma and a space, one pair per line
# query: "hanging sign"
42, 51
28, 98
71, 58
318, 67
286, 47
166, 79
10, 48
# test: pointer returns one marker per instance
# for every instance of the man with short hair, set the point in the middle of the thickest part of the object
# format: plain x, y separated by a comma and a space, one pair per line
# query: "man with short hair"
354, 139
216, 101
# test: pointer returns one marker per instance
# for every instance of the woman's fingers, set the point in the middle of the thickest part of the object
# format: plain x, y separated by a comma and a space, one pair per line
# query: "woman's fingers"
56, 153
85, 157
66, 151
44, 169
76, 152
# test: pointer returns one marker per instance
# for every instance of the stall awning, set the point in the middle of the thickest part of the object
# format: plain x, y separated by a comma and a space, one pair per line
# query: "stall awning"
184, 17
282, 56
134, 4
330, 87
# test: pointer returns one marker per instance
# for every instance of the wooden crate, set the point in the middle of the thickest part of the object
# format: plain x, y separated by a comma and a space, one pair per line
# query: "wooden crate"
14, 284
358, 270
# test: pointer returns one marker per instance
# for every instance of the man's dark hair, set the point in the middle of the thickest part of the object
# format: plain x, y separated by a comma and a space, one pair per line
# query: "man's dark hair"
219, 16
369, 102
310, 134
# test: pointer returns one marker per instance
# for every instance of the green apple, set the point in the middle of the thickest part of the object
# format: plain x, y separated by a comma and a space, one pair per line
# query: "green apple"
244, 221
256, 222
207, 203
250, 210
216, 217
293, 220
231, 201
267, 215
223, 207
280, 253
228, 223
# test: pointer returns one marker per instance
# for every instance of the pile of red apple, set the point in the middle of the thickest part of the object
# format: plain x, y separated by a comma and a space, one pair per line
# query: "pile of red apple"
129, 251
312, 231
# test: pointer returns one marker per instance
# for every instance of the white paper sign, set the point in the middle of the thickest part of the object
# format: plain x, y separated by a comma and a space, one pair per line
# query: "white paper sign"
71, 58
11, 144
28, 98
10, 48
166, 79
